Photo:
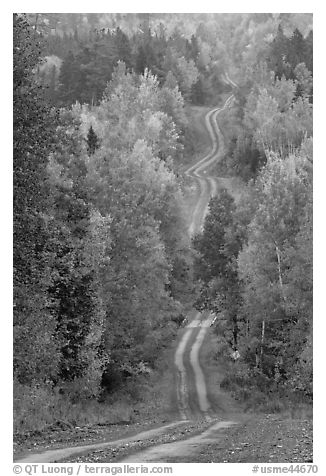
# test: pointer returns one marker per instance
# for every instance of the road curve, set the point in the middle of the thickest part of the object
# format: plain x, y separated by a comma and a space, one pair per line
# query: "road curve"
199, 172
197, 328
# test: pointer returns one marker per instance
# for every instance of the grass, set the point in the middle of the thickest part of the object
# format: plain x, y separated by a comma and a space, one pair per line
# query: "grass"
145, 399
39, 408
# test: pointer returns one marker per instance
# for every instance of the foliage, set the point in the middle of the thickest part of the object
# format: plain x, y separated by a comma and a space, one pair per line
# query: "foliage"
35, 348
73, 286
87, 52
268, 232
268, 265
215, 267
92, 141
134, 187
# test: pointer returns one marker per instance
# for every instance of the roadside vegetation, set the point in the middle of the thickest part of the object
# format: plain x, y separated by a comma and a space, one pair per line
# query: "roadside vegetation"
254, 261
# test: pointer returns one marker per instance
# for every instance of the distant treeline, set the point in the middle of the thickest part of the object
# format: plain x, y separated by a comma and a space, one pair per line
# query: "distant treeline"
273, 102
78, 69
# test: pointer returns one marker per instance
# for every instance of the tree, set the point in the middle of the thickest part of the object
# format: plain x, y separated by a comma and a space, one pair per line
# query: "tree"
134, 103
184, 71
296, 49
199, 91
123, 48
35, 348
216, 268
138, 306
92, 141
264, 266
133, 186
72, 288
286, 53
194, 48
303, 81
309, 51
57, 242
187, 75
68, 79
277, 121
145, 58
278, 60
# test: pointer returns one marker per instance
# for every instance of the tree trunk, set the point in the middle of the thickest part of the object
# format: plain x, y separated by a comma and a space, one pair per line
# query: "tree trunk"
262, 342
235, 332
278, 254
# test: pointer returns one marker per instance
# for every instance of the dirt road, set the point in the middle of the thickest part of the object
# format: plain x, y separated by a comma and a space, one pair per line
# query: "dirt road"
207, 186
199, 172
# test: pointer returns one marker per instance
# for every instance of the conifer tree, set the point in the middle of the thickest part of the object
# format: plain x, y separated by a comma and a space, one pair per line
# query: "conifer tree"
92, 141
35, 350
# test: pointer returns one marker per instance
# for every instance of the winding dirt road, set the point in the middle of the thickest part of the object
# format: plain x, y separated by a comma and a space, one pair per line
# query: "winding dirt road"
192, 397
199, 172
207, 186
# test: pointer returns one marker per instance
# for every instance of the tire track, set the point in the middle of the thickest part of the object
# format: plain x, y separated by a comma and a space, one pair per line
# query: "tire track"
208, 188
203, 402
168, 451
55, 455
182, 388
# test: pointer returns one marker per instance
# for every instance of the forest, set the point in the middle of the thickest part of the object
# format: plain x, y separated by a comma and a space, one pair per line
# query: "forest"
104, 268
